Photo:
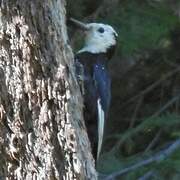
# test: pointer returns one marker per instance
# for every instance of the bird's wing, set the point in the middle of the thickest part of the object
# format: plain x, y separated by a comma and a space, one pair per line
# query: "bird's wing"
102, 82
103, 85
101, 119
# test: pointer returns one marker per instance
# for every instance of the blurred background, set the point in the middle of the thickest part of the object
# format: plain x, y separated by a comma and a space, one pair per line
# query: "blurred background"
144, 118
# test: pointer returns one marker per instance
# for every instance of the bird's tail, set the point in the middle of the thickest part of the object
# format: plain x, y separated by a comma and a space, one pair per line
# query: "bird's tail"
101, 118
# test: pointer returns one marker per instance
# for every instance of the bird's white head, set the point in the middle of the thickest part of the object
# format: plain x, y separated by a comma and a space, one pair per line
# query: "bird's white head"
99, 37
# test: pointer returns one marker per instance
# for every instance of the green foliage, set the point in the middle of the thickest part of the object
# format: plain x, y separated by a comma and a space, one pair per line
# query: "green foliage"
79, 9
141, 26
166, 122
114, 160
109, 163
75, 8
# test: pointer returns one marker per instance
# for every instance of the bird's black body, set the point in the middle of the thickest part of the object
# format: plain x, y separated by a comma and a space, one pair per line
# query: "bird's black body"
96, 85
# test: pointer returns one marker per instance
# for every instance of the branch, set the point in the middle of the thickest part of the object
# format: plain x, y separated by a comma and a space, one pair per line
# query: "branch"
139, 103
156, 158
167, 105
154, 141
147, 175
152, 86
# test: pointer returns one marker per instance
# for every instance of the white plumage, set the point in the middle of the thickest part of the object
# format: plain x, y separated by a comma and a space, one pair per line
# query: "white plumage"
101, 118
96, 41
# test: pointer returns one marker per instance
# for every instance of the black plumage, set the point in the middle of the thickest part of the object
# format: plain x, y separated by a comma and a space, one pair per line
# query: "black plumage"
92, 69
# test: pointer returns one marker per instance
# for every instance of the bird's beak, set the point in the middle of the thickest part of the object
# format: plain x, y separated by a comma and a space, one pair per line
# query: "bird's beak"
79, 24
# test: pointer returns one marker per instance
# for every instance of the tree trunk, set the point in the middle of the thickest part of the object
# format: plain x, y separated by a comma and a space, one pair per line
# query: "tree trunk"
42, 134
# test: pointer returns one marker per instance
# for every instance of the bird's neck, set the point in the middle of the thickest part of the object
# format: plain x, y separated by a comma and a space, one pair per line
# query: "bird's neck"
92, 58
107, 53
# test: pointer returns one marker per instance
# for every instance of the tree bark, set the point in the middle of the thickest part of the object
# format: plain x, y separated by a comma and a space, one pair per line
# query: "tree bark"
42, 133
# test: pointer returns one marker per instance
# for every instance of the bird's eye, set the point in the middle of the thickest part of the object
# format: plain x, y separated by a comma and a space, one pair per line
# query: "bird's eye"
101, 30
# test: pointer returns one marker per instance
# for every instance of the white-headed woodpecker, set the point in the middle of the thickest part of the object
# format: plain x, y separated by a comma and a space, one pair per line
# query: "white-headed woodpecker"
92, 71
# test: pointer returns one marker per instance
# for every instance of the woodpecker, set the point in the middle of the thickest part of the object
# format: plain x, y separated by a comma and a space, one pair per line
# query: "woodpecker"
92, 73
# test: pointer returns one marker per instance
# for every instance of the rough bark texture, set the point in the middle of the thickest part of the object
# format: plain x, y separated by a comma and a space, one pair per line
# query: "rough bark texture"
42, 135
